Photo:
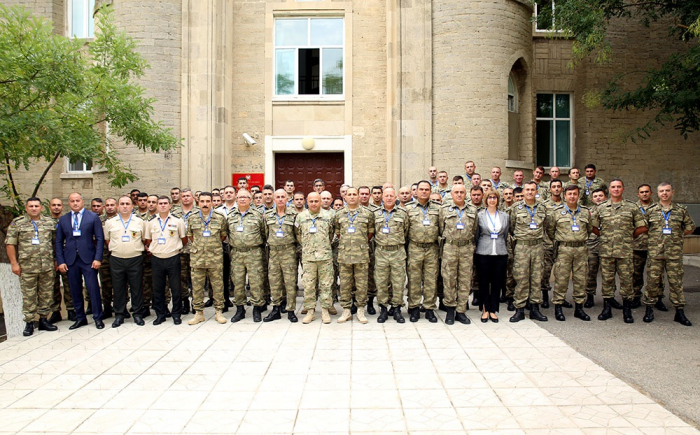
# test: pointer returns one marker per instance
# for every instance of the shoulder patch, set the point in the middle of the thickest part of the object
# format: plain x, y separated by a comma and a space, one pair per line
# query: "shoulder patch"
520, 207
563, 212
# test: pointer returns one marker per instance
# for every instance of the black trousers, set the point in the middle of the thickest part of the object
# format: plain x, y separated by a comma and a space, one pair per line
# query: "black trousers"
161, 268
127, 272
492, 277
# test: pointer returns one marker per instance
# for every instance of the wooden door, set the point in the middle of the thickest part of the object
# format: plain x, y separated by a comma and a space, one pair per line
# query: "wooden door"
304, 168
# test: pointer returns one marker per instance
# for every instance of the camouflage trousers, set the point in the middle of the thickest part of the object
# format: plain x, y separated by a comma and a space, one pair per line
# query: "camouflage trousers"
371, 282
106, 289
422, 275
353, 276
639, 261
592, 276
655, 281
199, 277
510, 279
185, 276
37, 293
390, 270
335, 288
67, 298
571, 261
267, 290
147, 281
457, 266
547, 266
248, 263
317, 273
623, 267
527, 272
282, 274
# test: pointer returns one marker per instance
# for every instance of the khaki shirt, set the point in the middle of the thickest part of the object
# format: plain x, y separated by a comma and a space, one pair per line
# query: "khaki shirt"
172, 230
560, 223
114, 231
206, 252
617, 225
315, 246
246, 230
177, 212
30, 256
417, 231
521, 218
353, 235
668, 246
285, 224
641, 242
449, 219
396, 221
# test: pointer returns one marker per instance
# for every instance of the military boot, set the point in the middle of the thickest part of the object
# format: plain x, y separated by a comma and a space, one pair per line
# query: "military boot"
397, 315
615, 304
590, 301
292, 317
430, 316
518, 316
558, 313
239, 315
28, 329
627, 311
310, 317
580, 314
607, 312
415, 314
257, 314
648, 315
44, 325
660, 305
636, 302
462, 318
198, 318
275, 314
325, 315
347, 315
450, 315
332, 310
680, 318
510, 306
361, 315
536, 315
383, 314
185, 306
219, 317
370, 306
55, 317
545, 299
566, 304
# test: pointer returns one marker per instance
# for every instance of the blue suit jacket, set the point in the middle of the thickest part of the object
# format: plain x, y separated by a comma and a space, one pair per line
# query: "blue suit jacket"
88, 246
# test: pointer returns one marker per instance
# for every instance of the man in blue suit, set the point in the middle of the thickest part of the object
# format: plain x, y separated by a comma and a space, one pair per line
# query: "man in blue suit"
79, 242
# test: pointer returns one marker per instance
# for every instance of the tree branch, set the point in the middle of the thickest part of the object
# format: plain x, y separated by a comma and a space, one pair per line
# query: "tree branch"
15, 194
43, 175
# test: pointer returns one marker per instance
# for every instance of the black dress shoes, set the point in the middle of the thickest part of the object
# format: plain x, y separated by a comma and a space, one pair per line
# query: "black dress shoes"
209, 303
71, 316
99, 324
177, 320
78, 324
118, 321
139, 320
159, 320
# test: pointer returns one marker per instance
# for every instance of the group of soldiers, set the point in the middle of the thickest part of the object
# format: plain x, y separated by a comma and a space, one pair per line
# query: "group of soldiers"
366, 244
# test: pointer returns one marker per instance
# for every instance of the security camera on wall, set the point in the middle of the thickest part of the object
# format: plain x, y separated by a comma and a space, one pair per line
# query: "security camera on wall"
249, 140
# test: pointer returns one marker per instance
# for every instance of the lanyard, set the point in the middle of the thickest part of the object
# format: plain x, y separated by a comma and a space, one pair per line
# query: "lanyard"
387, 218
642, 210
162, 227
667, 216
572, 213
588, 184
352, 219
495, 185
126, 226
280, 221
531, 213
492, 221
76, 222
206, 223
459, 213
424, 210
313, 221
36, 230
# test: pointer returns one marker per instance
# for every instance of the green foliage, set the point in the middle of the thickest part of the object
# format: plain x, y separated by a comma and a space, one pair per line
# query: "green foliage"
60, 96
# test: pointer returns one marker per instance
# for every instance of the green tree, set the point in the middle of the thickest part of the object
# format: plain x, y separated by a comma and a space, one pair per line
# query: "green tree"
671, 91
62, 97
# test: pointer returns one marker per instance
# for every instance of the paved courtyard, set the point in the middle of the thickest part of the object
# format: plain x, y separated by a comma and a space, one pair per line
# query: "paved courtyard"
332, 379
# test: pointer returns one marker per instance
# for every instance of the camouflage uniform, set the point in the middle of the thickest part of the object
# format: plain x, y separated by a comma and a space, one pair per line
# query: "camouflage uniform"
246, 234
593, 246
443, 191
542, 191
105, 275
353, 230
61, 277
527, 225
317, 255
617, 225
572, 254
335, 288
423, 254
147, 270
206, 257
587, 187
548, 246
267, 293
282, 265
458, 227
640, 251
36, 262
185, 269
390, 254
371, 284
666, 252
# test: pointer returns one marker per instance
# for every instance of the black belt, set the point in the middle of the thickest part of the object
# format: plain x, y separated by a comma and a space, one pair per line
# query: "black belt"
423, 245
572, 244
252, 248
389, 247
281, 247
530, 242
459, 242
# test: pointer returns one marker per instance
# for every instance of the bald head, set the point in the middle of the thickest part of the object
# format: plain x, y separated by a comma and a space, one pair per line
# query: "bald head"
314, 202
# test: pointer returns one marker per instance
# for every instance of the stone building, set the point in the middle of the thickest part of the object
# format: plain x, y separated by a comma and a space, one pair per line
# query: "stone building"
366, 91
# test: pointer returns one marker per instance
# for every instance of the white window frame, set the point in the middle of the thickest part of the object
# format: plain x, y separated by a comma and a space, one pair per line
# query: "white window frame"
84, 170
554, 119
87, 18
512, 81
307, 97
554, 28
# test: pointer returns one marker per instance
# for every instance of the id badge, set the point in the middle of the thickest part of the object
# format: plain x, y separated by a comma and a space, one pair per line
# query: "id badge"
239, 228
575, 228
533, 225
161, 240
351, 230
313, 230
385, 230
206, 233
537, 195
126, 238
666, 231
35, 241
426, 222
460, 226
76, 233
279, 233
494, 235
588, 192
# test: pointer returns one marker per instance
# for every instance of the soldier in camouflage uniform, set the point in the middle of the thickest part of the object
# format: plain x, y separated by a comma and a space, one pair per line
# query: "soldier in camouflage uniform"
282, 265
476, 199
365, 197
542, 186
640, 249
354, 227
554, 200
667, 223
247, 233
458, 225
423, 252
528, 219
593, 245
508, 291
29, 245
442, 188
327, 205
56, 209
620, 220
569, 227
496, 181
589, 183
314, 230
184, 211
206, 230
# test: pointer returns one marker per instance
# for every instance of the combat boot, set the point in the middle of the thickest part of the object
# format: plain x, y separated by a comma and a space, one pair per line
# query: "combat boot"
198, 318
370, 306
660, 305
415, 314
614, 304
55, 317
590, 301
304, 311
347, 315
463, 318
332, 310
283, 306
680, 318
607, 312
240, 314
627, 311
510, 306
545, 299
566, 304
219, 317
636, 302
292, 317
580, 314
257, 316
391, 311
536, 315
383, 314
430, 316
325, 315
648, 315
28, 329
450, 315
275, 314
397, 315
361, 315
558, 313
44, 325
185, 306
518, 316
310, 317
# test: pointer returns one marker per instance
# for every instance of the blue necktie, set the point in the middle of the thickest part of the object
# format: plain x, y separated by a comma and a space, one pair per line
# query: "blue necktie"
75, 221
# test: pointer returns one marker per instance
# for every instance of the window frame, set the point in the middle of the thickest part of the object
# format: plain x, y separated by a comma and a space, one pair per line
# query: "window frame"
512, 79
554, 28
88, 18
552, 161
308, 97
85, 169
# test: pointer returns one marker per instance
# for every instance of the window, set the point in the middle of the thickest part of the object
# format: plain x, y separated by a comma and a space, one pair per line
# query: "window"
309, 56
544, 16
512, 94
554, 130
81, 23
76, 165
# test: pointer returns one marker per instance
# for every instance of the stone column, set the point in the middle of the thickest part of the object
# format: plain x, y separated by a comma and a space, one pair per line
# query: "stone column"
11, 301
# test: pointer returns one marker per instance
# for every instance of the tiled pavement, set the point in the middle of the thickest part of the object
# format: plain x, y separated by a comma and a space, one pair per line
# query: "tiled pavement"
332, 379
